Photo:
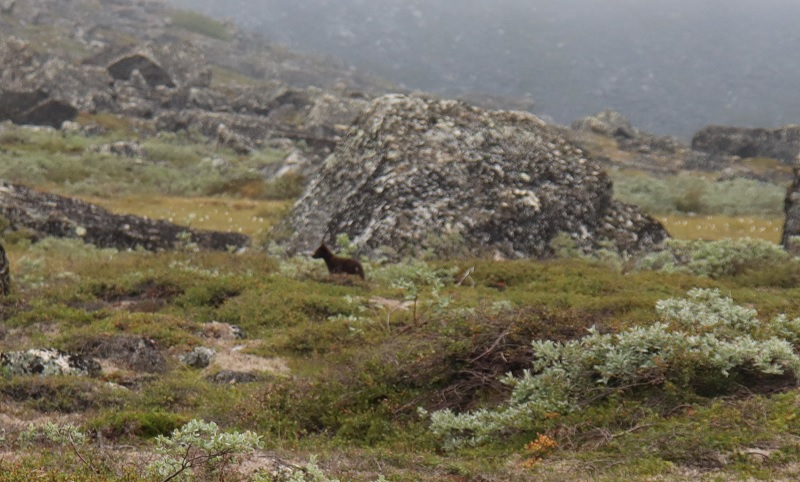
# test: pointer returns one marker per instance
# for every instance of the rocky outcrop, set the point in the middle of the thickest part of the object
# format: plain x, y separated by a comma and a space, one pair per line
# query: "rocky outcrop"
782, 143
417, 175
330, 116
608, 123
130, 352
664, 155
171, 64
612, 124
41, 91
199, 357
52, 215
230, 377
47, 362
791, 227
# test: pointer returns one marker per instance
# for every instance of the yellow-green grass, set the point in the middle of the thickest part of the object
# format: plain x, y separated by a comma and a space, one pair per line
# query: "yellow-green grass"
712, 228
247, 216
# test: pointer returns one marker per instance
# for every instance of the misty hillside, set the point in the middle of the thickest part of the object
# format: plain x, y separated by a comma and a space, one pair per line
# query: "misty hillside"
671, 66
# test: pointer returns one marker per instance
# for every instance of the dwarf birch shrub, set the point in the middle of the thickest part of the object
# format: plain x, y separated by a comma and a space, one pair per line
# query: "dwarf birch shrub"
726, 257
704, 335
199, 444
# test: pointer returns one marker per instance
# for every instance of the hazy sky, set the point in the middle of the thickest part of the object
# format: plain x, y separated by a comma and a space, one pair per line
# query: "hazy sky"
672, 66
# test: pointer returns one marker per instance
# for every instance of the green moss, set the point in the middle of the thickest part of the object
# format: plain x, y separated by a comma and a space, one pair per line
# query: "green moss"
201, 24
64, 394
135, 424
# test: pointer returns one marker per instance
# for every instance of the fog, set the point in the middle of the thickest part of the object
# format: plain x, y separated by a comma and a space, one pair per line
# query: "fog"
671, 66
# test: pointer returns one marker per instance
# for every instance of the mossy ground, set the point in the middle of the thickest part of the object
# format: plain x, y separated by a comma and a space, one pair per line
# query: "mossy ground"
352, 363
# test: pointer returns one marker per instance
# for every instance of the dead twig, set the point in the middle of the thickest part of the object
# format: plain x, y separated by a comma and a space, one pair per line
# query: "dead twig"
466, 275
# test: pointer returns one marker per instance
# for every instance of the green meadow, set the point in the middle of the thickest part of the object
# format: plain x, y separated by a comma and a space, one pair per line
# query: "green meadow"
415, 373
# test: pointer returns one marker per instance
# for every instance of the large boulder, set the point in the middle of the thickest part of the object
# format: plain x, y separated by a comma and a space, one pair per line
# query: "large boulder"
791, 227
414, 174
782, 143
47, 214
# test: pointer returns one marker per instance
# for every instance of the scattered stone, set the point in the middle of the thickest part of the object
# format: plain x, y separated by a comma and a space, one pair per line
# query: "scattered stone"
222, 331
47, 362
152, 72
7, 6
229, 377
130, 149
608, 123
71, 127
200, 357
330, 116
40, 90
131, 352
227, 138
415, 174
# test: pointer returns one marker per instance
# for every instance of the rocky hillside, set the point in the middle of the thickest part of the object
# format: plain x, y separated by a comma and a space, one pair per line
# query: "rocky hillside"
170, 70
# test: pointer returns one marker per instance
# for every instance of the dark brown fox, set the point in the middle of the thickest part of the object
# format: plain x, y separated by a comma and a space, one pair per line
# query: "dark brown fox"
337, 265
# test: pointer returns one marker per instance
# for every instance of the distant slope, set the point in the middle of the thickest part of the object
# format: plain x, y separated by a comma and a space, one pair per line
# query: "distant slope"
80, 29
672, 66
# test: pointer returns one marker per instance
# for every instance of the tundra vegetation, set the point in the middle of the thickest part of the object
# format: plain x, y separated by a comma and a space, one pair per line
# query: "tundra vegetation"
678, 364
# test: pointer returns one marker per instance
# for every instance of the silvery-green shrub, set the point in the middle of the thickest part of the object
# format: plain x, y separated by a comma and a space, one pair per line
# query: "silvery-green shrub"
706, 331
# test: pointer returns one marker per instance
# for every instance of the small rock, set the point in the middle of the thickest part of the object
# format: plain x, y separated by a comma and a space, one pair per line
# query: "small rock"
223, 331
132, 352
229, 377
200, 357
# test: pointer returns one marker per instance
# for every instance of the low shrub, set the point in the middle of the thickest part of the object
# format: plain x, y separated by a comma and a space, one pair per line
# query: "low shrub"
688, 193
60, 394
702, 342
725, 257
201, 24
130, 424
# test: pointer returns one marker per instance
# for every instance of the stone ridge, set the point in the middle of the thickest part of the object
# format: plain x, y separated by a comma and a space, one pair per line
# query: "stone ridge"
414, 174
781, 143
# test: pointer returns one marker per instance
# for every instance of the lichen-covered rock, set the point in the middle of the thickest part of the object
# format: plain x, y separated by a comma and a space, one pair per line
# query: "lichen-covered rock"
607, 123
130, 149
168, 64
222, 331
152, 72
47, 362
782, 143
330, 116
791, 227
200, 357
131, 352
230, 377
46, 214
416, 174
47, 91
